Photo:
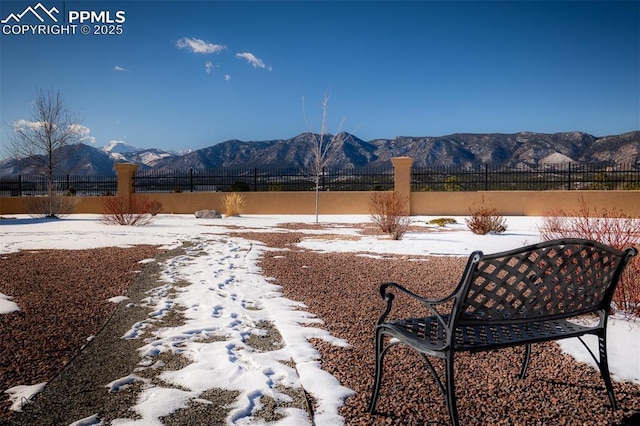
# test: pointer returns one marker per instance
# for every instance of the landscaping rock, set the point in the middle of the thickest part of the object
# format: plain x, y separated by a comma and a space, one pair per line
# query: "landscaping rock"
208, 214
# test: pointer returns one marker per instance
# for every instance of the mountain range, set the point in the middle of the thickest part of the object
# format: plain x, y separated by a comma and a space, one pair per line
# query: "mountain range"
465, 150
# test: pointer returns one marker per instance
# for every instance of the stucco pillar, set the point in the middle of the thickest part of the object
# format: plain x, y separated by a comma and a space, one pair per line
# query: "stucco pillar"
126, 172
402, 178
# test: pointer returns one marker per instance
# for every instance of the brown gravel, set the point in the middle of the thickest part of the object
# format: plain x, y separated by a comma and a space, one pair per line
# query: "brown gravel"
341, 289
63, 296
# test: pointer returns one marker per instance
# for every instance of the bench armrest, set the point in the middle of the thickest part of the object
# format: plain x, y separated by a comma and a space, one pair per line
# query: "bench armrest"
430, 304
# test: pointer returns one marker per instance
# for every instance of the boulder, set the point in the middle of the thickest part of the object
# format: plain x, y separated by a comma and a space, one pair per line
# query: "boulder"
208, 214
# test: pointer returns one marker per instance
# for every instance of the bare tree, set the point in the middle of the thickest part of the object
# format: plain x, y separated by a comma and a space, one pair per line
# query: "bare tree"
322, 148
39, 143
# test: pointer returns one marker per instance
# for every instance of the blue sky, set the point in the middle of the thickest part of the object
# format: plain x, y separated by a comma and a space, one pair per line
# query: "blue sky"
189, 74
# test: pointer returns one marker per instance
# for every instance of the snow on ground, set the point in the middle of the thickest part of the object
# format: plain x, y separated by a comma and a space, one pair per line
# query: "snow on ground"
21, 393
6, 305
226, 295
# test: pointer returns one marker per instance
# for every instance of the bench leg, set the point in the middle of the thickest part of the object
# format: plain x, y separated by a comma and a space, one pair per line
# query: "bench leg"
525, 363
604, 369
378, 373
450, 395
603, 364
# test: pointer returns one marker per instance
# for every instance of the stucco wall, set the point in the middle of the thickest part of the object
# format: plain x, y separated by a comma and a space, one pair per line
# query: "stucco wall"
268, 202
522, 203
507, 203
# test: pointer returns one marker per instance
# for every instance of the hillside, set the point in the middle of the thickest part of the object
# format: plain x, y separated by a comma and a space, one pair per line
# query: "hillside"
524, 149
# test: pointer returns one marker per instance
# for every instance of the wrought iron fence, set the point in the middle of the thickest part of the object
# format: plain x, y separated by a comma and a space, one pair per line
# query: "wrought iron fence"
552, 177
257, 179
65, 184
485, 178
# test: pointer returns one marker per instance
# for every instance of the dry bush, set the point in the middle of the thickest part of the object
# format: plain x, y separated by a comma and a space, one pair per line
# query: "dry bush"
627, 296
388, 211
233, 204
442, 221
40, 206
483, 220
607, 226
134, 211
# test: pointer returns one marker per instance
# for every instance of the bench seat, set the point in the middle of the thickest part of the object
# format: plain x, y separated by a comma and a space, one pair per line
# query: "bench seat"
482, 337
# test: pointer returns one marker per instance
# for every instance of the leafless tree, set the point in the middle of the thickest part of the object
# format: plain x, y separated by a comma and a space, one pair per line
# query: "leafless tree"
39, 143
323, 146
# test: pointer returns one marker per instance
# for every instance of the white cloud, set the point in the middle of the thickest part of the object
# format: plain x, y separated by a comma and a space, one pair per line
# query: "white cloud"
26, 124
227, 77
83, 133
119, 68
197, 45
253, 60
209, 67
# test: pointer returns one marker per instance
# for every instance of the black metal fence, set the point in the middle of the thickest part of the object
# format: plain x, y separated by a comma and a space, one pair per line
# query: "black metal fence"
485, 178
552, 177
256, 179
67, 184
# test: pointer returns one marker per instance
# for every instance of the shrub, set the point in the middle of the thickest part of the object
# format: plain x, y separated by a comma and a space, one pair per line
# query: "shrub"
388, 211
608, 226
43, 206
452, 183
600, 182
240, 186
232, 204
627, 295
154, 207
442, 221
631, 186
484, 220
134, 211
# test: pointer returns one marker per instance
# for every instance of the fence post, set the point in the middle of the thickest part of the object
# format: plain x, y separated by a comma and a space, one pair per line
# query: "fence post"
126, 172
402, 178
486, 176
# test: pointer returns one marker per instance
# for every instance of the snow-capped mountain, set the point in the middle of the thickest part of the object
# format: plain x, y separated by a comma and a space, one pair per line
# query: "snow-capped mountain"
123, 152
119, 147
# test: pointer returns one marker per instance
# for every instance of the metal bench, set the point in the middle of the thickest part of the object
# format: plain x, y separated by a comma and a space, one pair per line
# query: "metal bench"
533, 294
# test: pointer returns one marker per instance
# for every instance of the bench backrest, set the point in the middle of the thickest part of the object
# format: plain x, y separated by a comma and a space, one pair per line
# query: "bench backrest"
553, 279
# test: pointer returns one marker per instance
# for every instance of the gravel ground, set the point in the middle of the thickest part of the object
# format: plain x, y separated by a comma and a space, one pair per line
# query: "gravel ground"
342, 289
63, 296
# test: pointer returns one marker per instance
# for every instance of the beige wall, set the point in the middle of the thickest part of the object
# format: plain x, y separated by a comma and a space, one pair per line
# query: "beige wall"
267, 202
522, 203
507, 203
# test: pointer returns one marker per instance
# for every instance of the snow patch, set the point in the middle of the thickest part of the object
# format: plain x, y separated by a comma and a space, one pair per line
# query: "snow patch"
6, 305
21, 395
